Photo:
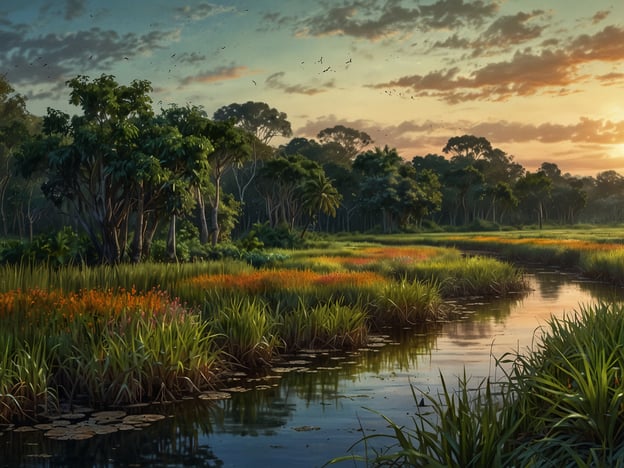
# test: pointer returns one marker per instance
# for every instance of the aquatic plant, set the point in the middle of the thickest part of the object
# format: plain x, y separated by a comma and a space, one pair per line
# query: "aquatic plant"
559, 404
246, 330
407, 302
329, 325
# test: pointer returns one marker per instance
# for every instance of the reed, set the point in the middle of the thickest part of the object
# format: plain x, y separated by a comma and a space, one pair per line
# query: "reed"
571, 388
559, 404
329, 325
407, 303
472, 276
466, 426
110, 347
246, 330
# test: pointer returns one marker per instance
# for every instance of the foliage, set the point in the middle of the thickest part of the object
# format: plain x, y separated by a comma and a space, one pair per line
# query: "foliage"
60, 248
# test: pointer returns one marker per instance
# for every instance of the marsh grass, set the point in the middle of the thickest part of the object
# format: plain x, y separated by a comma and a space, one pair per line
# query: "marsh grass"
467, 426
407, 303
571, 387
604, 265
25, 375
329, 325
109, 347
142, 277
560, 404
246, 330
471, 276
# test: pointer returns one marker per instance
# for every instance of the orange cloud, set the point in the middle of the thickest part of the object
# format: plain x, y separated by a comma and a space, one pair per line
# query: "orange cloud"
216, 75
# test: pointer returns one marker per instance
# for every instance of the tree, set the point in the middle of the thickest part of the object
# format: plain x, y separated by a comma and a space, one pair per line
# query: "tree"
186, 158
232, 147
106, 164
264, 123
352, 140
533, 189
393, 190
467, 146
281, 181
319, 196
15, 126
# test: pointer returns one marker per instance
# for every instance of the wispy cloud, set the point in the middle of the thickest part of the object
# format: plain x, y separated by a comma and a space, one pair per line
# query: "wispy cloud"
376, 19
528, 72
200, 11
276, 81
214, 76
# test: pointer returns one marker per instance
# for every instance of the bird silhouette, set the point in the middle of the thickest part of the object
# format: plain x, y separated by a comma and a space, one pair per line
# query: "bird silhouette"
254, 82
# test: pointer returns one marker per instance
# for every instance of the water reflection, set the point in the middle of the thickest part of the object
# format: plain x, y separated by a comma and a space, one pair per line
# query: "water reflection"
312, 406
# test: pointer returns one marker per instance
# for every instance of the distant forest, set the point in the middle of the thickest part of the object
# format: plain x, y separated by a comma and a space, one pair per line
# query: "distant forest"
128, 183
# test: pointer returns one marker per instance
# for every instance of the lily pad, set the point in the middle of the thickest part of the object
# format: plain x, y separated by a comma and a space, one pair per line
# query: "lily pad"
215, 396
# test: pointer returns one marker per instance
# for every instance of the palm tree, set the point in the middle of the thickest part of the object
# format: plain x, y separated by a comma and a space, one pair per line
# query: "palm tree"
319, 196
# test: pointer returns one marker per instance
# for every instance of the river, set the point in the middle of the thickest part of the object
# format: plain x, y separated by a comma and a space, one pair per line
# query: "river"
314, 406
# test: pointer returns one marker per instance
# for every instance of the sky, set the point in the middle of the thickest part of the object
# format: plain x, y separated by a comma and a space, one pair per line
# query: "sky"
541, 80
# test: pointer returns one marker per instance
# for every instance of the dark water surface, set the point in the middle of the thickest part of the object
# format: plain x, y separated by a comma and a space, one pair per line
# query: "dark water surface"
316, 405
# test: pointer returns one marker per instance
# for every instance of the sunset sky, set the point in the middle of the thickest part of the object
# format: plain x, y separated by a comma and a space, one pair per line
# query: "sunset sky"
541, 80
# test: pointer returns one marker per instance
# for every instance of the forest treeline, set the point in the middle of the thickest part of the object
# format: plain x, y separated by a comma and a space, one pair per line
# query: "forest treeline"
120, 181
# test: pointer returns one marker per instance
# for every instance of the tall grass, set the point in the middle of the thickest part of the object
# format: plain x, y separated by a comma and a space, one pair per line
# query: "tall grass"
246, 330
472, 276
329, 325
404, 303
571, 388
561, 404
110, 347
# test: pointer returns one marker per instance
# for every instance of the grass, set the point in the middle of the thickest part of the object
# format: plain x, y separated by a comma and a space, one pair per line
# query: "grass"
559, 404
130, 333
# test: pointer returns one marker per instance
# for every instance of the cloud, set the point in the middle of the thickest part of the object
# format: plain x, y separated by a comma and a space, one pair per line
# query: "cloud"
586, 130
74, 9
551, 71
376, 19
512, 30
275, 81
600, 16
55, 56
214, 76
200, 11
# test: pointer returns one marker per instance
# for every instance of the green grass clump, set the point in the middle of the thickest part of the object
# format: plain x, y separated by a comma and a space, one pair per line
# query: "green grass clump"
560, 404
472, 276
329, 325
246, 330
571, 388
405, 302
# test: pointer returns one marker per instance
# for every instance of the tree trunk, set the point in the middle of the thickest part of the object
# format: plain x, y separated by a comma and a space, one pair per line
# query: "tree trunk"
137, 241
171, 240
214, 213
203, 223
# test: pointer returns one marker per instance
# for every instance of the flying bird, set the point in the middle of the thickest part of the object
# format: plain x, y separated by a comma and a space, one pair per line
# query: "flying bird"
254, 82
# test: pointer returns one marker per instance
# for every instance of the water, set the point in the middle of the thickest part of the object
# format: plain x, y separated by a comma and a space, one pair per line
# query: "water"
316, 405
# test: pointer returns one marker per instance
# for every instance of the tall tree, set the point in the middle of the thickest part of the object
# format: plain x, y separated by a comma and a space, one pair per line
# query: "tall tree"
232, 147
15, 126
98, 163
352, 140
534, 189
467, 146
264, 123
319, 196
